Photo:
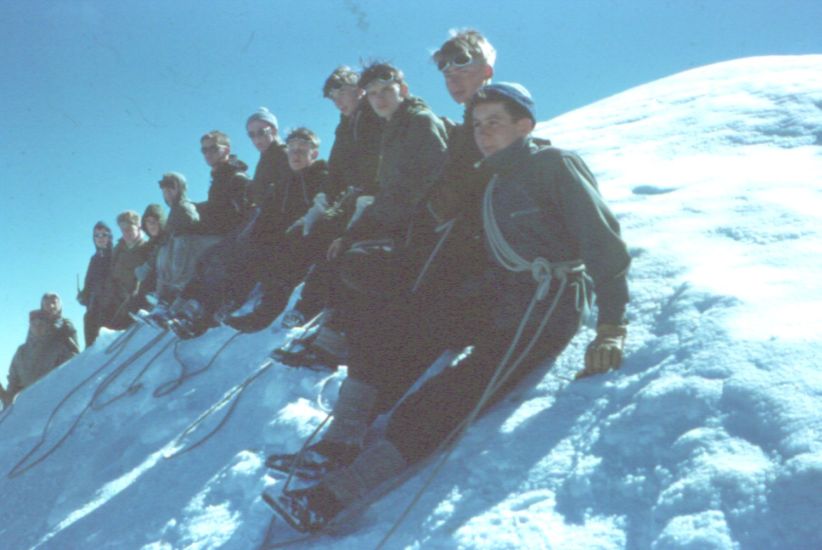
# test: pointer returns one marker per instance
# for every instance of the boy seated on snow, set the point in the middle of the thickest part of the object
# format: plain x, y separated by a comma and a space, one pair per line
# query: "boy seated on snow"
412, 152
546, 230
352, 173
264, 251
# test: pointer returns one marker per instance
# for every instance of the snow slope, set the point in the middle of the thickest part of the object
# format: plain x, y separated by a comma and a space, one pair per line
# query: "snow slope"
710, 436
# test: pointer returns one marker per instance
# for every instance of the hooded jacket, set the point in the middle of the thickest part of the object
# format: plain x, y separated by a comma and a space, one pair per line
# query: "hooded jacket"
41, 354
412, 152
183, 216
226, 206
99, 269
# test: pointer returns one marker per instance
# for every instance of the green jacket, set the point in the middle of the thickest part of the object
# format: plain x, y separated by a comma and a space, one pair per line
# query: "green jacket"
40, 355
122, 282
412, 152
547, 204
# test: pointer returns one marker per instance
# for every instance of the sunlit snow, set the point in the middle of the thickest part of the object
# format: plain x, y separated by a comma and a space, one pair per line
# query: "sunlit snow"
710, 436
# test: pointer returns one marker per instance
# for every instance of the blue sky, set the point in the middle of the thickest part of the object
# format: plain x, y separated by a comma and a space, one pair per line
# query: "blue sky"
100, 98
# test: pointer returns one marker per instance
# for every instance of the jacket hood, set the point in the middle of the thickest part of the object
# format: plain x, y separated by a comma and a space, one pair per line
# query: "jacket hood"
101, 225
156, 211
233, 164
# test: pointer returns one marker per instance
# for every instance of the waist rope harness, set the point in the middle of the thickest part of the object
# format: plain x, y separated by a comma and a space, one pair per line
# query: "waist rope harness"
543, 272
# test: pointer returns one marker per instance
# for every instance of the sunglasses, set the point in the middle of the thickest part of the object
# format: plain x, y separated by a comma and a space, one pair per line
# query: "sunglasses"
458, 61
210, 149
102, 235
262, 132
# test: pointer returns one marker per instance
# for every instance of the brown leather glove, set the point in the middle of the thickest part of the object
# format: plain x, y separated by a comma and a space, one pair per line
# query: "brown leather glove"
605, 352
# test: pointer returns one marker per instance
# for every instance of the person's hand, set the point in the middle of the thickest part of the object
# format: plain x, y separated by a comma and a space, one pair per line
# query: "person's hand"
605, 352
81, 299
336, 248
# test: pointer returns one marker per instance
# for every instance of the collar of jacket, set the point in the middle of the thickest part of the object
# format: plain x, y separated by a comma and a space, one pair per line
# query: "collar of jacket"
232, 165
511, 158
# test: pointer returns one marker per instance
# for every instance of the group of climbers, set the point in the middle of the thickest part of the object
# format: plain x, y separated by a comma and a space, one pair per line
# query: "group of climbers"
419, 237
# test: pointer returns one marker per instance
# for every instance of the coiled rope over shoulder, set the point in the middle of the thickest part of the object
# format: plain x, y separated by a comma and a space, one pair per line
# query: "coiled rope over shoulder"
543, 272
541, 269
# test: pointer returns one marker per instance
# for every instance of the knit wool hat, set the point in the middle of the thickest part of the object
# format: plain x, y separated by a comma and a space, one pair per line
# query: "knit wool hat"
264, 115
508, 92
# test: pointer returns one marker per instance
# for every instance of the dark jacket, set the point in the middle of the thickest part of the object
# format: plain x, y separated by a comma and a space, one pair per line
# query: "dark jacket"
355, 155
183, 216
412, 153
39, 355
294, 195
94, 285
271, 169
546, 204
226, 206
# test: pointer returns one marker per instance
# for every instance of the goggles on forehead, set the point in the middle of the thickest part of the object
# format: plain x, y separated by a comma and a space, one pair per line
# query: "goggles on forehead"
384, 77
457, 61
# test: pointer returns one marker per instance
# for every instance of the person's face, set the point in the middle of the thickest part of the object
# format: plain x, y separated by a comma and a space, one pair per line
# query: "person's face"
130, 232
102, 238
262, 134
464, 75
152, 226
170, 194
38, 327
495, 129
301, 154
462, 82
346, 98
214, 153
51, 305
385, 97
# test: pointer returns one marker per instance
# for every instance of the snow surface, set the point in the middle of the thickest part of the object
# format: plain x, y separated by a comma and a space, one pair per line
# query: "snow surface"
709, 437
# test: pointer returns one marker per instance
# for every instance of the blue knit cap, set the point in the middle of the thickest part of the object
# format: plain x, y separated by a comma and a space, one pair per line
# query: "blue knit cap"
264, 115
511, 91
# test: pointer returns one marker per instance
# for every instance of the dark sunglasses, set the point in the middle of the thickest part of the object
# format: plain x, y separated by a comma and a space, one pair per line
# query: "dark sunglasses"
457, 61
262, 132
101, 235
210, 149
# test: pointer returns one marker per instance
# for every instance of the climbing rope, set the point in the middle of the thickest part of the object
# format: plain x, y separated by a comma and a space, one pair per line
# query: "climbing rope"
233, 396
185, 374
543, 272
25, 463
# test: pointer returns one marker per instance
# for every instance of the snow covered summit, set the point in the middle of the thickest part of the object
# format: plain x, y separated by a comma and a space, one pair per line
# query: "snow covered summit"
710, 436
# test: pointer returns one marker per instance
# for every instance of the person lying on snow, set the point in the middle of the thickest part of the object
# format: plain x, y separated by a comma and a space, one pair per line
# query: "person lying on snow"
550, 241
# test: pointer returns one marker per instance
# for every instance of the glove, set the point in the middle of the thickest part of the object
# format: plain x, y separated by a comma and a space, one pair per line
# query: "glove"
314, 213
363, 202
81, 298
605, 352
142, 271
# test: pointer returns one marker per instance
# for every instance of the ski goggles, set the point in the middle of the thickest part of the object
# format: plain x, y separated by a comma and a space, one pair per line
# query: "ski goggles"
459, 60
383, 77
